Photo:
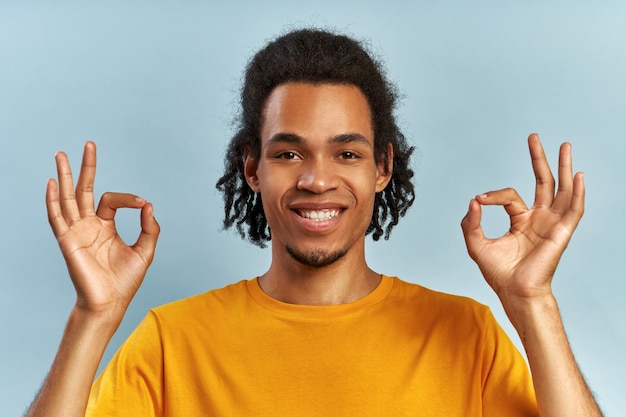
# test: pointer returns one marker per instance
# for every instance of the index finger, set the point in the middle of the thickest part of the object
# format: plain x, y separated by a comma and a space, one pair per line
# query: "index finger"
86, 178
544, 189
110, 202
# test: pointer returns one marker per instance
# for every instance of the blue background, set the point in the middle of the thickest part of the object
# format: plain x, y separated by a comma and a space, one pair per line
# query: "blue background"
155, 84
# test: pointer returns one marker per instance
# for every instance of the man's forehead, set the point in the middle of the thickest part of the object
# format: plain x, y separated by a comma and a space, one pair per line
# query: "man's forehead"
301, 86
307, 108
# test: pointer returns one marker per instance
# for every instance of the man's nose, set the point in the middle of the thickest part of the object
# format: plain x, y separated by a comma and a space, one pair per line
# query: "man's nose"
318, 177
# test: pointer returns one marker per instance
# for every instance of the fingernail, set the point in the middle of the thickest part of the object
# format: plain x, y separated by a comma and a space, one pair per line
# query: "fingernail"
140, 200
483, 196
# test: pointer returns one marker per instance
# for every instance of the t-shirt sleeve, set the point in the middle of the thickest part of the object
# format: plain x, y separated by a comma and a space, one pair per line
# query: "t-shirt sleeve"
132, 383
507, 385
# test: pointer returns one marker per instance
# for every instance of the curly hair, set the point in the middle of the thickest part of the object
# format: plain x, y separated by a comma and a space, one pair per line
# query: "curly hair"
314, 56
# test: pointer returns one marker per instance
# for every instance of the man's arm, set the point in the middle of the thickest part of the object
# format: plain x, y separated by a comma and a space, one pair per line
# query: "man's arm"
520, 265
106, 274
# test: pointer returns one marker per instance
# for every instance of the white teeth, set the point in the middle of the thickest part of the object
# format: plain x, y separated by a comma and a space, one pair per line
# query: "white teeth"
318, 215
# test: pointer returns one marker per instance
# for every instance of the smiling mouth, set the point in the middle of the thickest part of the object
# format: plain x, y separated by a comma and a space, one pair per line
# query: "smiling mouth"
318, 215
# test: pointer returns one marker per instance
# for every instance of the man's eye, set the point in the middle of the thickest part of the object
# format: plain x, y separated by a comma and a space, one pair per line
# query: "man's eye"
348, 155
287, 155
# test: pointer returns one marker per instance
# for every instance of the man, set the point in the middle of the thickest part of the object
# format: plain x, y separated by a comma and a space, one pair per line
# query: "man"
317, 164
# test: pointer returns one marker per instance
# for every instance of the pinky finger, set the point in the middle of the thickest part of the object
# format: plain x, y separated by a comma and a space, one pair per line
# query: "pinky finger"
53, 206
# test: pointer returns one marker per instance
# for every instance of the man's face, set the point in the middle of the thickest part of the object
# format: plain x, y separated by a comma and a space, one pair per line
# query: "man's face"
316, 173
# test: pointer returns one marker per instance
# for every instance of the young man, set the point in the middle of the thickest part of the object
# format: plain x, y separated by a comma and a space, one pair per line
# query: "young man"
317, 164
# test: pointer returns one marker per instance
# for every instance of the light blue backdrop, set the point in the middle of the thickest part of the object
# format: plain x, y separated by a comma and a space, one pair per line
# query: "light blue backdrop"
154, 84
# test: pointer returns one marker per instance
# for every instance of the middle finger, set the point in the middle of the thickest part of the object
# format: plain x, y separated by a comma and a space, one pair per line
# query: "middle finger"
67, 199
544, 189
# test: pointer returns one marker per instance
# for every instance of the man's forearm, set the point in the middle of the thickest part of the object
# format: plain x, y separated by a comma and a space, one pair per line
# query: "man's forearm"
559, 385
65, 391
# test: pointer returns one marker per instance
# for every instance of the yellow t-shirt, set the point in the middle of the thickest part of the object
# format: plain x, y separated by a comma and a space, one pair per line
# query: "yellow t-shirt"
402, 350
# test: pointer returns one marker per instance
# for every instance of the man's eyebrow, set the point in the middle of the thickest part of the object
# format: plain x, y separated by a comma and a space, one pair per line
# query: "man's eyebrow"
284, 138
294, 138
350, 138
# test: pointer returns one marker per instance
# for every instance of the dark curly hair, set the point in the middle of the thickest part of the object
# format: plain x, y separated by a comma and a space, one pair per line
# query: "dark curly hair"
315, 56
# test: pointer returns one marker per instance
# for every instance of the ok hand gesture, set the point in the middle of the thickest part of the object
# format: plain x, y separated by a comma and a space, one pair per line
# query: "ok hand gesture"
105, 271
519, 265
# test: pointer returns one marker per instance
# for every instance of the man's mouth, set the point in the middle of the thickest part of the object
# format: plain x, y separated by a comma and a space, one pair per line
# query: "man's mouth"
318, 215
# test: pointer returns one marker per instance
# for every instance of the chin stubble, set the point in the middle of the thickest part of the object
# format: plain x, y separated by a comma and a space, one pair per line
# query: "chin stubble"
315, 258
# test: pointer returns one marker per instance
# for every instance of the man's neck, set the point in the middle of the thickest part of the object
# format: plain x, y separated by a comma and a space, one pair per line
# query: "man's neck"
346, 280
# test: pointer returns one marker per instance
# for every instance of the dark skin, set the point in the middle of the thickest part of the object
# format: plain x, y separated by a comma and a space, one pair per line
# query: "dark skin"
303, 184
105, 271
317, 156
520, 266
106, 274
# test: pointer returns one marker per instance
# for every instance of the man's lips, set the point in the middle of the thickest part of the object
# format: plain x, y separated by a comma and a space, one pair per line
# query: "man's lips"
319, 214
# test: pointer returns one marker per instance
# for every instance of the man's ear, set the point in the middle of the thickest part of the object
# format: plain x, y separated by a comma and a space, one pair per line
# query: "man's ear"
384, 167
250, 166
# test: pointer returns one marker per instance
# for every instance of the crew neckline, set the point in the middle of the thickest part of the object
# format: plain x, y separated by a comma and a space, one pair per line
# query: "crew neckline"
326, 311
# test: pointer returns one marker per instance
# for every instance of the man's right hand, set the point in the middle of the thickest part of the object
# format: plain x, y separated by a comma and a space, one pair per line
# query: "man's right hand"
106, 274
105, 271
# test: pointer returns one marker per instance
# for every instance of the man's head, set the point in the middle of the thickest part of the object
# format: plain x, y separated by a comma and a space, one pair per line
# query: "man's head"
315, 57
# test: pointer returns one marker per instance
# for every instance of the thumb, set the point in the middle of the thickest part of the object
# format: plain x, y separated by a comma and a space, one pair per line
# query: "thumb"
472, 230
147, 240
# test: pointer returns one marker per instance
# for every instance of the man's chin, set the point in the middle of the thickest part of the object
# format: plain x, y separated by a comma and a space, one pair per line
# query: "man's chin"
315, 258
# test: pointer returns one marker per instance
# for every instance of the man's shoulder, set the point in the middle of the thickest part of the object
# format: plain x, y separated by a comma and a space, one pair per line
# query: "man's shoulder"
219, 298
437, 303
